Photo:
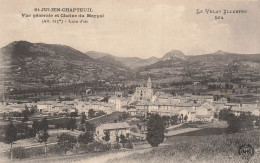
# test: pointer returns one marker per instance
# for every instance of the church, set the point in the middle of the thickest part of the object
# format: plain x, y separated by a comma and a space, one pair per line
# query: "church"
143, 93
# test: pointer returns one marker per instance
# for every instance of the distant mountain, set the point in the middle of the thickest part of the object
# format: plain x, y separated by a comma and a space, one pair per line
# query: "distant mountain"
27, 65
30, 65
174, 54
129, 62
96, 55
214, 66
220, 52
111, 60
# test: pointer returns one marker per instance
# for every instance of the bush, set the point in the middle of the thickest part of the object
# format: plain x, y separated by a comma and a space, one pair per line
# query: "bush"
86, 147
35, 151
107, 147
20, 153
55, 149
94, 147
117, 146
101, 147
129, 145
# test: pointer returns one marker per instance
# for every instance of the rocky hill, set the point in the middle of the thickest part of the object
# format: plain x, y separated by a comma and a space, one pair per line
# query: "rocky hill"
174, 54
218, 66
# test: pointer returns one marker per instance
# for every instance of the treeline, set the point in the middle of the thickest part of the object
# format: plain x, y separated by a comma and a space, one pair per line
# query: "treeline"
84, 143
245, 121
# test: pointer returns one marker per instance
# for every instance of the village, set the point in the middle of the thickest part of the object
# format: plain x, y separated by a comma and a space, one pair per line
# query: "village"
186, 109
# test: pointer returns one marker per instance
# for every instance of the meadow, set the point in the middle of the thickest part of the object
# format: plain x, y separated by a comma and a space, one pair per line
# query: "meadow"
108, 118
208, 148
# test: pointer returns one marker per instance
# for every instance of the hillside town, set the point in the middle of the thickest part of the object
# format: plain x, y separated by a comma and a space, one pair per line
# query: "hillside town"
187, 108
142, 102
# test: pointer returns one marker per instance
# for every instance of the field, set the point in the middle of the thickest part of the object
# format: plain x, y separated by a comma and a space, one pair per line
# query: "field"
212, 148
106, 118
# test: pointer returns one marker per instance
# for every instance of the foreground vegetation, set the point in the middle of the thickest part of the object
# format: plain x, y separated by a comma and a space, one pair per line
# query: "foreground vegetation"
213, 148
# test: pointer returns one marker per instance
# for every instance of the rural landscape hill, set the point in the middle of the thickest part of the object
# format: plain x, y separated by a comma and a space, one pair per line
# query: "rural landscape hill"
25, 64
130, 62
136, 62
215, 66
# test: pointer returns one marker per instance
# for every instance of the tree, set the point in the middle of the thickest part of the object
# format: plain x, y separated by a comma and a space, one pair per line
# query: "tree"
35, 126
25, 114
44, 124
166, 120
117, 139
90, 127
73, 114
234, 124
224, 114
10, 136
107, 136
71, 125
91, 113
155, 130
57, 126
32, 111
185, 118
174, 119
86, 138
83, 118
43, 133
124, 116
123, 140
66, 142
257, 123
215, 115
4, 115
246, 121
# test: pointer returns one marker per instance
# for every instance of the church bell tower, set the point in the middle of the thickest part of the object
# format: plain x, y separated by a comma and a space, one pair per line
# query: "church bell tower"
149, 83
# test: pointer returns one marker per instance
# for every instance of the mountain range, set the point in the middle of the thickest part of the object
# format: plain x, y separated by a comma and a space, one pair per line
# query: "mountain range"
135, 62
32, 65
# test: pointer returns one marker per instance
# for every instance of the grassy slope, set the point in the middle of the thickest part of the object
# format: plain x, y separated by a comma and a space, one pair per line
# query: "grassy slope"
212, 148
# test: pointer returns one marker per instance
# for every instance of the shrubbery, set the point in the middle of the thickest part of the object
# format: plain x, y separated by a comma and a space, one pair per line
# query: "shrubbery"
36, 151
94, 147
20, 153
128, 145
117, 146
55, 149
237, 123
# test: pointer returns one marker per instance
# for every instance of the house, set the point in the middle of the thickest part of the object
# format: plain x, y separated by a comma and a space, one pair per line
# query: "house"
189, 113
114, 129
44, 107
203, 113
118, 101
132, 111
238, 110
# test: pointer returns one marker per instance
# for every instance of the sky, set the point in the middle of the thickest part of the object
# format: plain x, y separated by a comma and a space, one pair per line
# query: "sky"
139, 28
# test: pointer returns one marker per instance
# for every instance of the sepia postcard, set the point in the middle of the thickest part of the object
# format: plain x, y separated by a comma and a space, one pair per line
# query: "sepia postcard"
133, 81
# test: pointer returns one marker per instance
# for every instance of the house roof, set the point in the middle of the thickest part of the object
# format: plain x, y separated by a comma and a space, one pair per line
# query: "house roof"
132, 110
204, 116
242, 109
113, 126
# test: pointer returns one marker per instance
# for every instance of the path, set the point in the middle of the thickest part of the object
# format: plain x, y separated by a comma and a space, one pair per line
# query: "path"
107, 157
181, 131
